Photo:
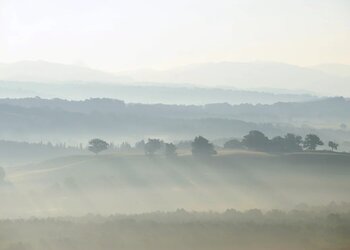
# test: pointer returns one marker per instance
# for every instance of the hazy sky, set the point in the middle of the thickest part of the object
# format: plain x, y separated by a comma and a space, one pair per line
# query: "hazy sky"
118, 35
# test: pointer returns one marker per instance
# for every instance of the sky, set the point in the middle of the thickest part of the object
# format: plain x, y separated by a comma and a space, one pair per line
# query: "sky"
117, 35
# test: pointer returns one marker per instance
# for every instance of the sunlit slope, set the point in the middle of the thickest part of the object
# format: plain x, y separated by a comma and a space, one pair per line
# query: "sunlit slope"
137, 183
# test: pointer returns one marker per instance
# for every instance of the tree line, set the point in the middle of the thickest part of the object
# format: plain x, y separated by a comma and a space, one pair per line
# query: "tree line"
258, 141
200, 147
251, 229
255, 140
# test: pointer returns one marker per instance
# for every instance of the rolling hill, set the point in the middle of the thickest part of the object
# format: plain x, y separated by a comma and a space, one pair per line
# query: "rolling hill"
135, 183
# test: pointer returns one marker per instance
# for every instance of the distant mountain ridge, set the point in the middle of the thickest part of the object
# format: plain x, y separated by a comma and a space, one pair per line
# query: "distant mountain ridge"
251, 75
42, 71
341, 70
324, 79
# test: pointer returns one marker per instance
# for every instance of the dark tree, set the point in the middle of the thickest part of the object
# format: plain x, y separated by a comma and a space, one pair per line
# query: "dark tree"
201, 147
256, 140
277, 144
312, 141
333, 145
140, 145
152, 146
97, 145
170, 150
293, 143
288, 143
233, 144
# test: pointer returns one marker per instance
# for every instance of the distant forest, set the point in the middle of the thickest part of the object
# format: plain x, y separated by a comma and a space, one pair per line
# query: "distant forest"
57, 120
302, 228
330, 110
147, 93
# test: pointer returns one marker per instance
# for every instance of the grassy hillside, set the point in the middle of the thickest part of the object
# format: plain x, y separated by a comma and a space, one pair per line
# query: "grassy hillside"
136, 183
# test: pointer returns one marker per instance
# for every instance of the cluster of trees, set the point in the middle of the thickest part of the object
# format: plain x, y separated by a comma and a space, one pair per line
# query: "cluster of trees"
258, 141
151, 147
155, 145
201, 146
